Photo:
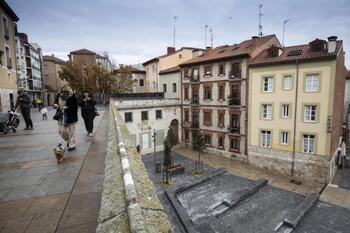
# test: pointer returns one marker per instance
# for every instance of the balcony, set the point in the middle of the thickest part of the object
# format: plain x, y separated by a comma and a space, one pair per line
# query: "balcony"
235, 76
233, 130
234, 101
194, 79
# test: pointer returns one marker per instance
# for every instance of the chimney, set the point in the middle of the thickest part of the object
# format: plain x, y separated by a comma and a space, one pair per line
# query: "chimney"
332, 44
255, 41
52, 55
170, 50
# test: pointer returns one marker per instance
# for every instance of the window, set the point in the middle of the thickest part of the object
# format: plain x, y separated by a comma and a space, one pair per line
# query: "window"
207, 139
207, 70
164, 88
234, 144
144, 115
207, 118
186, 93
207, 93
158, 114
284, 138
128, 116
195, 73
235, 71
221, 92
174, 87
186, 73
186, 135
8, 57
310, 112
180, 56
312, 83
186, 116
221, 142
287, 82
235, 122
308, 143
142, 82
221, 69
221, 121
265, 138
6, 28
267, 84
266, 112
285, 110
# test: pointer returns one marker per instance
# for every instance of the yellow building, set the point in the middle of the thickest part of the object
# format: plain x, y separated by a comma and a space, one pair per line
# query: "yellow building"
171, 59
8, 75
295, 110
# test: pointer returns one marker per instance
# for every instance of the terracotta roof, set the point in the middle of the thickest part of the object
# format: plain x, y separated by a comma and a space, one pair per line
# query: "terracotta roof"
83, 51
227, 51
302, 53
52, 58
165, 55
170, 70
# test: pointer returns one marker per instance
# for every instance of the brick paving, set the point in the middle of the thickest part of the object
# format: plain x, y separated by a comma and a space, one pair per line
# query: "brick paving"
37, 194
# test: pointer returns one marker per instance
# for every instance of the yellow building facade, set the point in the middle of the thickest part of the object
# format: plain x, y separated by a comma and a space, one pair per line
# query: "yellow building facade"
8, 74
294, 120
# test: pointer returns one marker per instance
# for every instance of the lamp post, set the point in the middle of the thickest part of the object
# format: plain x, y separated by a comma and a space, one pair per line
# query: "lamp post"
284, 29
154, 136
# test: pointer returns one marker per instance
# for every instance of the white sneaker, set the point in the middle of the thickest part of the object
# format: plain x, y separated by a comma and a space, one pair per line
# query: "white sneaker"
90, 134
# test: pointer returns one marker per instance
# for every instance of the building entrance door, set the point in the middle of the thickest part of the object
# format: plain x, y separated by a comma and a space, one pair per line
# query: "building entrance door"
145, 141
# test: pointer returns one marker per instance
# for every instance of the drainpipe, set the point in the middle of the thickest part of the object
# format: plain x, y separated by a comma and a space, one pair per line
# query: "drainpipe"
295, 116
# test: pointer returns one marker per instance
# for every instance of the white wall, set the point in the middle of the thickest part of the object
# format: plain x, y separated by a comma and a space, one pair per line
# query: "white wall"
169, 80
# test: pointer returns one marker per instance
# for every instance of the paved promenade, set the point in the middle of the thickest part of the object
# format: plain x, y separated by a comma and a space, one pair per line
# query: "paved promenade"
39, 195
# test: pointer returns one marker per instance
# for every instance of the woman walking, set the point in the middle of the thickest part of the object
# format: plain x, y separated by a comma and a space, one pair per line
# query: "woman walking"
66, 104
88, 112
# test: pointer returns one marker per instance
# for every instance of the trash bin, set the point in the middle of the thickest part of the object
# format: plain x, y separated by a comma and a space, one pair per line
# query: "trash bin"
158, 167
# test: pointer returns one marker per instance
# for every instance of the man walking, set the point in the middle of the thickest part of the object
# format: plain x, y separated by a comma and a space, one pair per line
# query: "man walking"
23, 101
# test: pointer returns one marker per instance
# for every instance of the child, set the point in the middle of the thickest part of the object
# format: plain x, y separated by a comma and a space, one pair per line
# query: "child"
43, 113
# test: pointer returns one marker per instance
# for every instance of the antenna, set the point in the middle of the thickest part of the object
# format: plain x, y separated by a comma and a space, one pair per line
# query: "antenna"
175, 17
211, 37
260, 26
205, 36
284, 29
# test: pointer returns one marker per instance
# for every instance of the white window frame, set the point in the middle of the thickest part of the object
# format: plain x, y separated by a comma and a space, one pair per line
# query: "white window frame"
310, 113
265, 139
284, 138
287, 85
266, 111
269, 81
312, 83
309, 143
285, 111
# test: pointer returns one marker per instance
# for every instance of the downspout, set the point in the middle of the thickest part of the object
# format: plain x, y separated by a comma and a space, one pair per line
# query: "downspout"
295, 116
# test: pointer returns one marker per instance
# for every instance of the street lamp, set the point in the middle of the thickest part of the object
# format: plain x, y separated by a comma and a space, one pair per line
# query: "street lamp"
154, 136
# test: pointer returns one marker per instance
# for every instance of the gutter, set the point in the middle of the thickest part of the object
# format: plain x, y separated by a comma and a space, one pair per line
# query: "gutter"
295, 116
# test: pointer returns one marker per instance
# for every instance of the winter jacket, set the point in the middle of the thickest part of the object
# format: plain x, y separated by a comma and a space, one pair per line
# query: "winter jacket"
23, 101
87, 106
71, 110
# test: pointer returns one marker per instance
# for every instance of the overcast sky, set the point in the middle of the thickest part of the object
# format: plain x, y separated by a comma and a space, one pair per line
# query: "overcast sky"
133, 31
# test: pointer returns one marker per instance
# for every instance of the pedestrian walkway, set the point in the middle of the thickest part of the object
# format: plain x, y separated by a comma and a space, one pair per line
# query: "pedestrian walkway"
39, 195
245, 170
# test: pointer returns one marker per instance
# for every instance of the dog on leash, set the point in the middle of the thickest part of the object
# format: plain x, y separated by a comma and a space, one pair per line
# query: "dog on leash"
59, 153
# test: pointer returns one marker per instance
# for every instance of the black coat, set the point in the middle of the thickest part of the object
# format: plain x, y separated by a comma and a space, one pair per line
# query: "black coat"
71, 112
87, 106
23, 101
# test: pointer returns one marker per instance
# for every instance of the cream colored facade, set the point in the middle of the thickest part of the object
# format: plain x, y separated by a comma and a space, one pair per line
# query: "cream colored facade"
8, 74
321, 128
154, 66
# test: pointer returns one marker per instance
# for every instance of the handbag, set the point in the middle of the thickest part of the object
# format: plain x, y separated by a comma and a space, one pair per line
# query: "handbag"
58, 115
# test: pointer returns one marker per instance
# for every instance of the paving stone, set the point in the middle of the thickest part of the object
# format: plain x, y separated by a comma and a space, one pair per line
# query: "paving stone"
47, 204
62, 186
81, 209
4, 192
88, 185
12, 209
16, 225
83, 228
44, 223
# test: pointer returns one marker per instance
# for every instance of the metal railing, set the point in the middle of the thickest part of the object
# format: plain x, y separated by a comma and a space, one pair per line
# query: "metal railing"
146, 95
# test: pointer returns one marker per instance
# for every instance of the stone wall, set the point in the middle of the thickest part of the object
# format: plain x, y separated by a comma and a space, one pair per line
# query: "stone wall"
307, 166
129, 201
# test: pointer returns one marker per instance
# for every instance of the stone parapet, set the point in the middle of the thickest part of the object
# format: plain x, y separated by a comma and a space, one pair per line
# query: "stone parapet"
129, 201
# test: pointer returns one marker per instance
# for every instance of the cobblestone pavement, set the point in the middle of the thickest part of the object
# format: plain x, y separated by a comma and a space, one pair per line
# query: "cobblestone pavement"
39, 195
245, 170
